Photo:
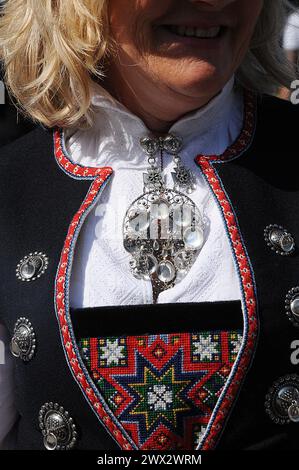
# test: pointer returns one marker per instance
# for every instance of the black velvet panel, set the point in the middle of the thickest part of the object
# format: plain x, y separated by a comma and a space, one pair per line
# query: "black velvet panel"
157, 319
12, 124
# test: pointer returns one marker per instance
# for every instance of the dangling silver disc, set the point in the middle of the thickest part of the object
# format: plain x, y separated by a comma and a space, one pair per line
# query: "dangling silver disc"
163, 230
28, 270
15, 349
193, 238
166, 271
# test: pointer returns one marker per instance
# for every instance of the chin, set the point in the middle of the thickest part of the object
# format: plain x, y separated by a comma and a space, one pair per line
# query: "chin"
199, 83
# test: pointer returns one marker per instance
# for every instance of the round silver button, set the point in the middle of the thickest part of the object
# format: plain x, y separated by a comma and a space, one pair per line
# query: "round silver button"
172, 144
58, 428
32, 266
279, 240
282, 400
150, 145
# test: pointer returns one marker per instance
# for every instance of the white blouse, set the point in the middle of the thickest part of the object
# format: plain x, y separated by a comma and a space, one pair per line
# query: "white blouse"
100, 273
291, 33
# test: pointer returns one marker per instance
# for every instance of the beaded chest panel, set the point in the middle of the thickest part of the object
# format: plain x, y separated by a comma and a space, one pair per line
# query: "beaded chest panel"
162, 388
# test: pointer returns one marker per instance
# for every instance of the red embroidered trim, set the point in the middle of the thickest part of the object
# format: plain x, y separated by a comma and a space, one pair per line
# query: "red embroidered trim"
100, 175
246, 134
250, 300
205, 162
77, 170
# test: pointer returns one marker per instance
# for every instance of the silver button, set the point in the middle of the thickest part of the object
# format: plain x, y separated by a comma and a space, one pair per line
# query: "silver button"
150, 145
32, 266
23, 343
282, 400
172, 144
279, 240
292, 306
57, 427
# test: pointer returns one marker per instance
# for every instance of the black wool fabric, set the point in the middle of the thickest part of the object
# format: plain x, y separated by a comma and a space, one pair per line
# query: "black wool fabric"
38, 202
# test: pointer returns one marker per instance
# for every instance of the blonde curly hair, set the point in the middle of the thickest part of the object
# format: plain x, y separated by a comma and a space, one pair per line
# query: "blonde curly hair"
52, 50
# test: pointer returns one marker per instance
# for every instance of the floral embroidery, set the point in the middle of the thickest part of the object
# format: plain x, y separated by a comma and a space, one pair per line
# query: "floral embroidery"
205, 347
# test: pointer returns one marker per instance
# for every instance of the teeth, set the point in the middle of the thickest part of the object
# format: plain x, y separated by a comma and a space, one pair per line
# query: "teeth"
196, 32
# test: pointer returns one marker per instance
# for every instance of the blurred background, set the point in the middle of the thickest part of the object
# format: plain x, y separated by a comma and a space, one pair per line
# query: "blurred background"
14, 125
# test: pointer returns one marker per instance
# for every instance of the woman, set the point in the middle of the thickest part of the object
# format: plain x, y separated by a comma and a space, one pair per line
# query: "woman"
148, 248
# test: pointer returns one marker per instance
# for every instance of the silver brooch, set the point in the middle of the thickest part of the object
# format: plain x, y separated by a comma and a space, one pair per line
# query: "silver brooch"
163, 229
32, 266
279, 240
23, 342
282, 400
57, 427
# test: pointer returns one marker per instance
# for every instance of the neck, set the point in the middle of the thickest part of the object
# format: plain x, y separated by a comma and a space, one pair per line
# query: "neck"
158, 109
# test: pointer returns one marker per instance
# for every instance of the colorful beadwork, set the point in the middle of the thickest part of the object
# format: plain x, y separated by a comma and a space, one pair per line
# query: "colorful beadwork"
162, 388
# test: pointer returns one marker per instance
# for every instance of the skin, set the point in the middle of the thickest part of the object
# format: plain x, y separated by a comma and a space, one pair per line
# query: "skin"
160, 76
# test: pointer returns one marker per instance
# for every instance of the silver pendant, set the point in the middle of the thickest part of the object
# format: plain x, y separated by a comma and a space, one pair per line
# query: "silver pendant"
163, 229
164, 232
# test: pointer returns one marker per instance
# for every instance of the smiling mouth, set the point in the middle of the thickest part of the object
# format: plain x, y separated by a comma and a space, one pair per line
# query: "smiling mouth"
195, 32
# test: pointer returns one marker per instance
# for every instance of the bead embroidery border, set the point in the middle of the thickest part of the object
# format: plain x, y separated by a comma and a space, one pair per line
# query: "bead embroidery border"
244, 268
75, 362
97, 403
247, 284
